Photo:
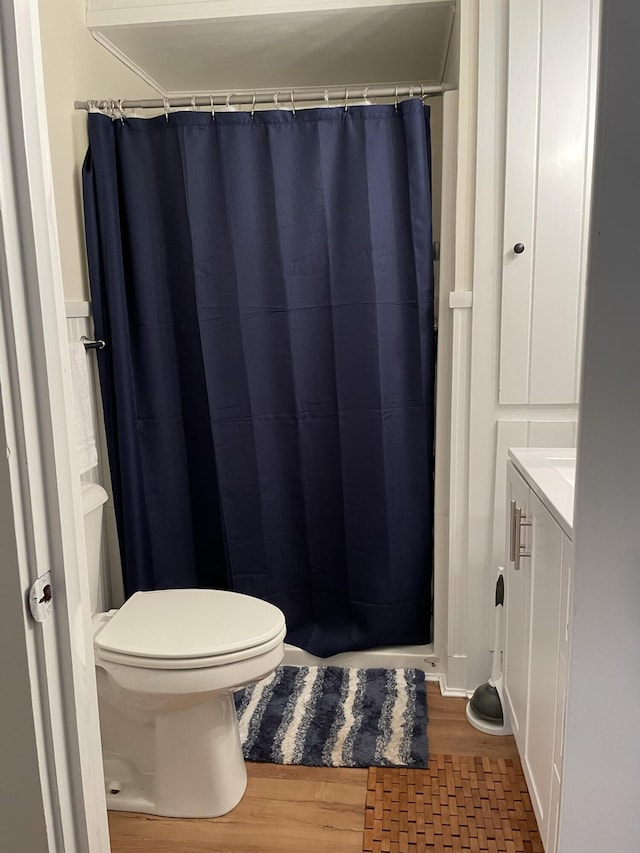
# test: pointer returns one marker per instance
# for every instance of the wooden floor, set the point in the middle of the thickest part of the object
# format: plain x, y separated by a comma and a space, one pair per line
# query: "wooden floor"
298, 809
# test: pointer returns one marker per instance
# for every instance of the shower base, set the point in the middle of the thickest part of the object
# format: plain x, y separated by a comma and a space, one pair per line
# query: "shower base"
417, 657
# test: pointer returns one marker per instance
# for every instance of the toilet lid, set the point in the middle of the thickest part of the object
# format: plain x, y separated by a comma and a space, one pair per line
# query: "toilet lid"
189, 623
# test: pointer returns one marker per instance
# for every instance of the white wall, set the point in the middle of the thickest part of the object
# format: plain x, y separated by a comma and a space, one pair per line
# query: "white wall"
75, 68
602, 748
478, 501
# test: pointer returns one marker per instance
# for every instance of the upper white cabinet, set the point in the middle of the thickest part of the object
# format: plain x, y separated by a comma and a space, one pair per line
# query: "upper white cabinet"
234, 45
550, 99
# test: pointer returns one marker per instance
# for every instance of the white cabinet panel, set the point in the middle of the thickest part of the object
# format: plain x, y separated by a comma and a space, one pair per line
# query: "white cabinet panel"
561, 691
547, 178
518, 589
552, 433
538, 608
520, 184
545, 565
560, 213
565, 598
550, 842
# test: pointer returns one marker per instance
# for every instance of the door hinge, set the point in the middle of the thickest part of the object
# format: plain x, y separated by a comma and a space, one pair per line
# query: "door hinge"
40, 598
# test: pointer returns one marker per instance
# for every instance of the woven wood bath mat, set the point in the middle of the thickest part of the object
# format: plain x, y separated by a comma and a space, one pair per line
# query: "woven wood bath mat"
458, 803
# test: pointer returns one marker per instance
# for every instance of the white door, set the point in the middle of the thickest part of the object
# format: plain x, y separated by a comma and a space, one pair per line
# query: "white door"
52, 795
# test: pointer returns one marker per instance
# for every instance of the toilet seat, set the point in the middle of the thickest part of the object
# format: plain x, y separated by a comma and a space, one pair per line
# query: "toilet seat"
189, 629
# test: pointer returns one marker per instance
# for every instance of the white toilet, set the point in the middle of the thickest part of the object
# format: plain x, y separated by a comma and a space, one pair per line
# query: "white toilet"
167, 663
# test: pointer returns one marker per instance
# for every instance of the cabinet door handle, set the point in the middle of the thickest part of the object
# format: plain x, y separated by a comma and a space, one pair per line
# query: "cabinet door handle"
516, 538
512, 532
519, 548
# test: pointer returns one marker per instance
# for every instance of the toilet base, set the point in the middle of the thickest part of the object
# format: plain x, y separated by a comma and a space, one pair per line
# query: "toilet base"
187, 763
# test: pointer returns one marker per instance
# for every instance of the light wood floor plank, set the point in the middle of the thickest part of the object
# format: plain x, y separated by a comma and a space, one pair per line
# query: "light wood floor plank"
298, 809
450, 733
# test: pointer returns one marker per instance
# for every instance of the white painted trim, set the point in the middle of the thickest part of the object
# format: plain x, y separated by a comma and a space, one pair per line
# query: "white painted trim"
592, 98
456, 676
486, 243
446, 282
141, 12
45, 480
461, 352
466, 144
461, 299
453, 692
77, 309
126, 60
458, 489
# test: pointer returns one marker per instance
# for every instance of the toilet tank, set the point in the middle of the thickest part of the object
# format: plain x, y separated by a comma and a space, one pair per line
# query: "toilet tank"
93, 500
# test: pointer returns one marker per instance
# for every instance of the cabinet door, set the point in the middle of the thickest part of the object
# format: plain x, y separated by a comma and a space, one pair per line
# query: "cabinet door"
561, 693
518, 586
547, 163
545, 569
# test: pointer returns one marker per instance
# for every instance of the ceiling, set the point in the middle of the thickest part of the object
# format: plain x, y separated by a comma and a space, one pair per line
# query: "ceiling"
199, 48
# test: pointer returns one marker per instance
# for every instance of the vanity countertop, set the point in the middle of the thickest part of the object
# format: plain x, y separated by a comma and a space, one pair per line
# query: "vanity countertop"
551, 473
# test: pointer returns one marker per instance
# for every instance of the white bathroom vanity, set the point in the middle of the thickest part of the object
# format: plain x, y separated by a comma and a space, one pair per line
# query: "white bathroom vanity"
540, 492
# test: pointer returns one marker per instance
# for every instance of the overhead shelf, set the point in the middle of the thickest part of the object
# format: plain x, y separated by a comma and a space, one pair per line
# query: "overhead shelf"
221, 45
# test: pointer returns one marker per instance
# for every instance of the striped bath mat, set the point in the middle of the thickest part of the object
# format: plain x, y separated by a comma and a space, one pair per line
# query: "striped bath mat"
330, 716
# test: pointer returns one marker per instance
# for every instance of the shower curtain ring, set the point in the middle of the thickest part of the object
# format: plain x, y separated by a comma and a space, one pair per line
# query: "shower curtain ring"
293, 103
121, 111
194, 106
346, 99
228, 99
326, 97
253, 104
275, 100
396, 98
213, 109
365, 95
167, 107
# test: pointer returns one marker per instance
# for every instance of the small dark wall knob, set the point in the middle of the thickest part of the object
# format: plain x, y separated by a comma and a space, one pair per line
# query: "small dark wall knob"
518, 248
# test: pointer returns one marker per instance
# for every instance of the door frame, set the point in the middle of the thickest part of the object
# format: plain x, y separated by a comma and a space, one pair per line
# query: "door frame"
50, 673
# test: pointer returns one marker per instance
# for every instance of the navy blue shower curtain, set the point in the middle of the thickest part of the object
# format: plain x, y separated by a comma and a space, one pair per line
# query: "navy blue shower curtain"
264, 285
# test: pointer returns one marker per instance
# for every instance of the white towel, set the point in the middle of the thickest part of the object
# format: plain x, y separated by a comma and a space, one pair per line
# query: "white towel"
84, 430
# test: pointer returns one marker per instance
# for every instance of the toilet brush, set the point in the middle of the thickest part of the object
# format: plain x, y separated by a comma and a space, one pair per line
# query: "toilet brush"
486, 709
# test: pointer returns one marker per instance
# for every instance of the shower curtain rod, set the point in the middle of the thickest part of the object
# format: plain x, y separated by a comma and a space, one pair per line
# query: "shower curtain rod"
286, 98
